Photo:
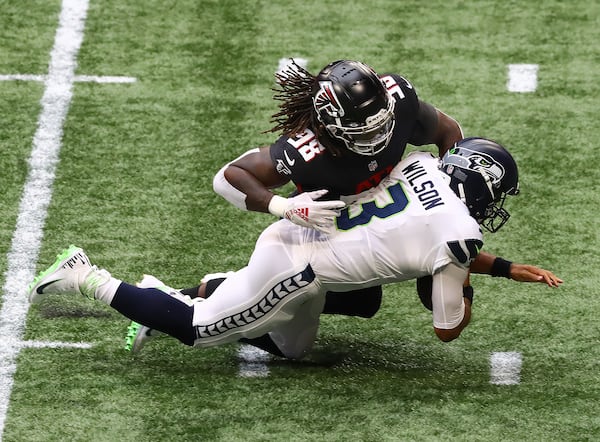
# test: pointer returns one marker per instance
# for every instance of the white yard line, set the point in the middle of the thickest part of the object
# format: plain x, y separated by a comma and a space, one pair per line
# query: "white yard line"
25, 245
50, 344
253, 362
22, 77
522, 77
505, 368
104, 79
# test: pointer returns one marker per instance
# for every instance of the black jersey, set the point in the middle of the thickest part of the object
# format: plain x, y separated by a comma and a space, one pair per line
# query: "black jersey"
304, 160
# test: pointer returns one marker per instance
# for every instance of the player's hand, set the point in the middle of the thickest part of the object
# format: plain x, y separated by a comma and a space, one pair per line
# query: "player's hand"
305, 211
529, 273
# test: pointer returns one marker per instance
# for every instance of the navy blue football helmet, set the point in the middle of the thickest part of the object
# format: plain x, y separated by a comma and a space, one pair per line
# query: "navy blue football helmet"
482, 173
354, 106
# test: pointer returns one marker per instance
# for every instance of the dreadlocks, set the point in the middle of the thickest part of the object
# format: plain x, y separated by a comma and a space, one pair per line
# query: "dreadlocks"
296, 112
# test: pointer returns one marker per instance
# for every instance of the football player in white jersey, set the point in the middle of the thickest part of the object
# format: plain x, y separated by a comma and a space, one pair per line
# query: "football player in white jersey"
423, 219
341, 132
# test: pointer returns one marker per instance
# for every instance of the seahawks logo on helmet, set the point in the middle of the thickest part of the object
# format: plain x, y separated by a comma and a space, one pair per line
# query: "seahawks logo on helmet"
482, 173
485, 163
325, 100
477, 161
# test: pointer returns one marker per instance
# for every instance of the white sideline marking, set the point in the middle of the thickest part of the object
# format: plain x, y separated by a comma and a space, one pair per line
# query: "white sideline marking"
522, 77
26, 240
76, 78
505, 368
253, 362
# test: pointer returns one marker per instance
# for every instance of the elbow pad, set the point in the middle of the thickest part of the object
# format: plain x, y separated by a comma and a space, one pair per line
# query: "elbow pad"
226, 190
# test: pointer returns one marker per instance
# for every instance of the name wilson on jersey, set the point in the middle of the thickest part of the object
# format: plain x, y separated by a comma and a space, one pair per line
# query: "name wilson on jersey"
425, 190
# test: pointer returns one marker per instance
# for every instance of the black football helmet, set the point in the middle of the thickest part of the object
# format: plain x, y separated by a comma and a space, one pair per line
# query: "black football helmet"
354, 106
482, 173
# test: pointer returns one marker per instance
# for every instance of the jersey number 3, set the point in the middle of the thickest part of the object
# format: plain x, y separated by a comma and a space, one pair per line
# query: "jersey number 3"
370, 209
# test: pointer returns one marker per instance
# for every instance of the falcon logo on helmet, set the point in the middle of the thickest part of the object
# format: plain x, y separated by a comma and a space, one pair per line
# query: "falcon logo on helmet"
326, 101
354, 106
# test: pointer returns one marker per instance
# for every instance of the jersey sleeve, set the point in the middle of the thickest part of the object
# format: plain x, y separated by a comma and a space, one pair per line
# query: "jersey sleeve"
426, 125
463, 252
285, 158
403, 92
447, 296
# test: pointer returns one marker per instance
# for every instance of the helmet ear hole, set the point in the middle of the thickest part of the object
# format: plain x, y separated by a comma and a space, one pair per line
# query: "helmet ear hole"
355, 106
482, 172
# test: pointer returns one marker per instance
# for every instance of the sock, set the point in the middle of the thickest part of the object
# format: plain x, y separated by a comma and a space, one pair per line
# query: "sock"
155, 309
106, 291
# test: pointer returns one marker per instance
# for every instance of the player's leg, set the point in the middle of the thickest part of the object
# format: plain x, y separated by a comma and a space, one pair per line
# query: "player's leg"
251, 303
363, 302
248, 305
139, 335
296, 337
72, 272
270, 292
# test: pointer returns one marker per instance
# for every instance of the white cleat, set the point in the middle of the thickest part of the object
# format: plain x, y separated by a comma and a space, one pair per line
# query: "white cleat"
71, 273
138, 335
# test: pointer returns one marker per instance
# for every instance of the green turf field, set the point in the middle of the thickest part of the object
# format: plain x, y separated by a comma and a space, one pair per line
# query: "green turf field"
133, 187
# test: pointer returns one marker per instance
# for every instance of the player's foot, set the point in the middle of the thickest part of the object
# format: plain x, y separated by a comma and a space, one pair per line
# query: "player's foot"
72, 272
137, 334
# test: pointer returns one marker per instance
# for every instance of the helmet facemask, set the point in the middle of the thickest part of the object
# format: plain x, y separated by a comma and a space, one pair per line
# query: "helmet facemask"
495, 215
369, 138
354, 106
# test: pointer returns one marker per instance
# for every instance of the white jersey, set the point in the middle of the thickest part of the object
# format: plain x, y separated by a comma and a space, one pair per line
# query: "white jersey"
412, 224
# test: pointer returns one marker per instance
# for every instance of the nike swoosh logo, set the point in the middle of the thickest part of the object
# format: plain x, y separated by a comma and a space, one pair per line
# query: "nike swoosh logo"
41, 288
289, 160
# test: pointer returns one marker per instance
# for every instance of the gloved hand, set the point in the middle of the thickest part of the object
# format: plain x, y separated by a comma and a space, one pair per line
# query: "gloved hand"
305, 211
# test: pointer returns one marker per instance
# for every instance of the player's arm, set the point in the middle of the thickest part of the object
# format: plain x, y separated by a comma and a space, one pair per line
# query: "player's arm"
451, 299
246, 181
447, 134
435, 127
489, 264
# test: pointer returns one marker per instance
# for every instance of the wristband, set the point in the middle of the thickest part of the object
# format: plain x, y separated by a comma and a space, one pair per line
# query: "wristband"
501, 267
468, 293
278, 206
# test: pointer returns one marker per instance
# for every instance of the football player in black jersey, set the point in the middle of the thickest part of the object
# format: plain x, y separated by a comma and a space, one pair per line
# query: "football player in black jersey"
343, 131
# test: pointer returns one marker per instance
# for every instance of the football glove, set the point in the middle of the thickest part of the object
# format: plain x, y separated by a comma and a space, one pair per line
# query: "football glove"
303, 210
